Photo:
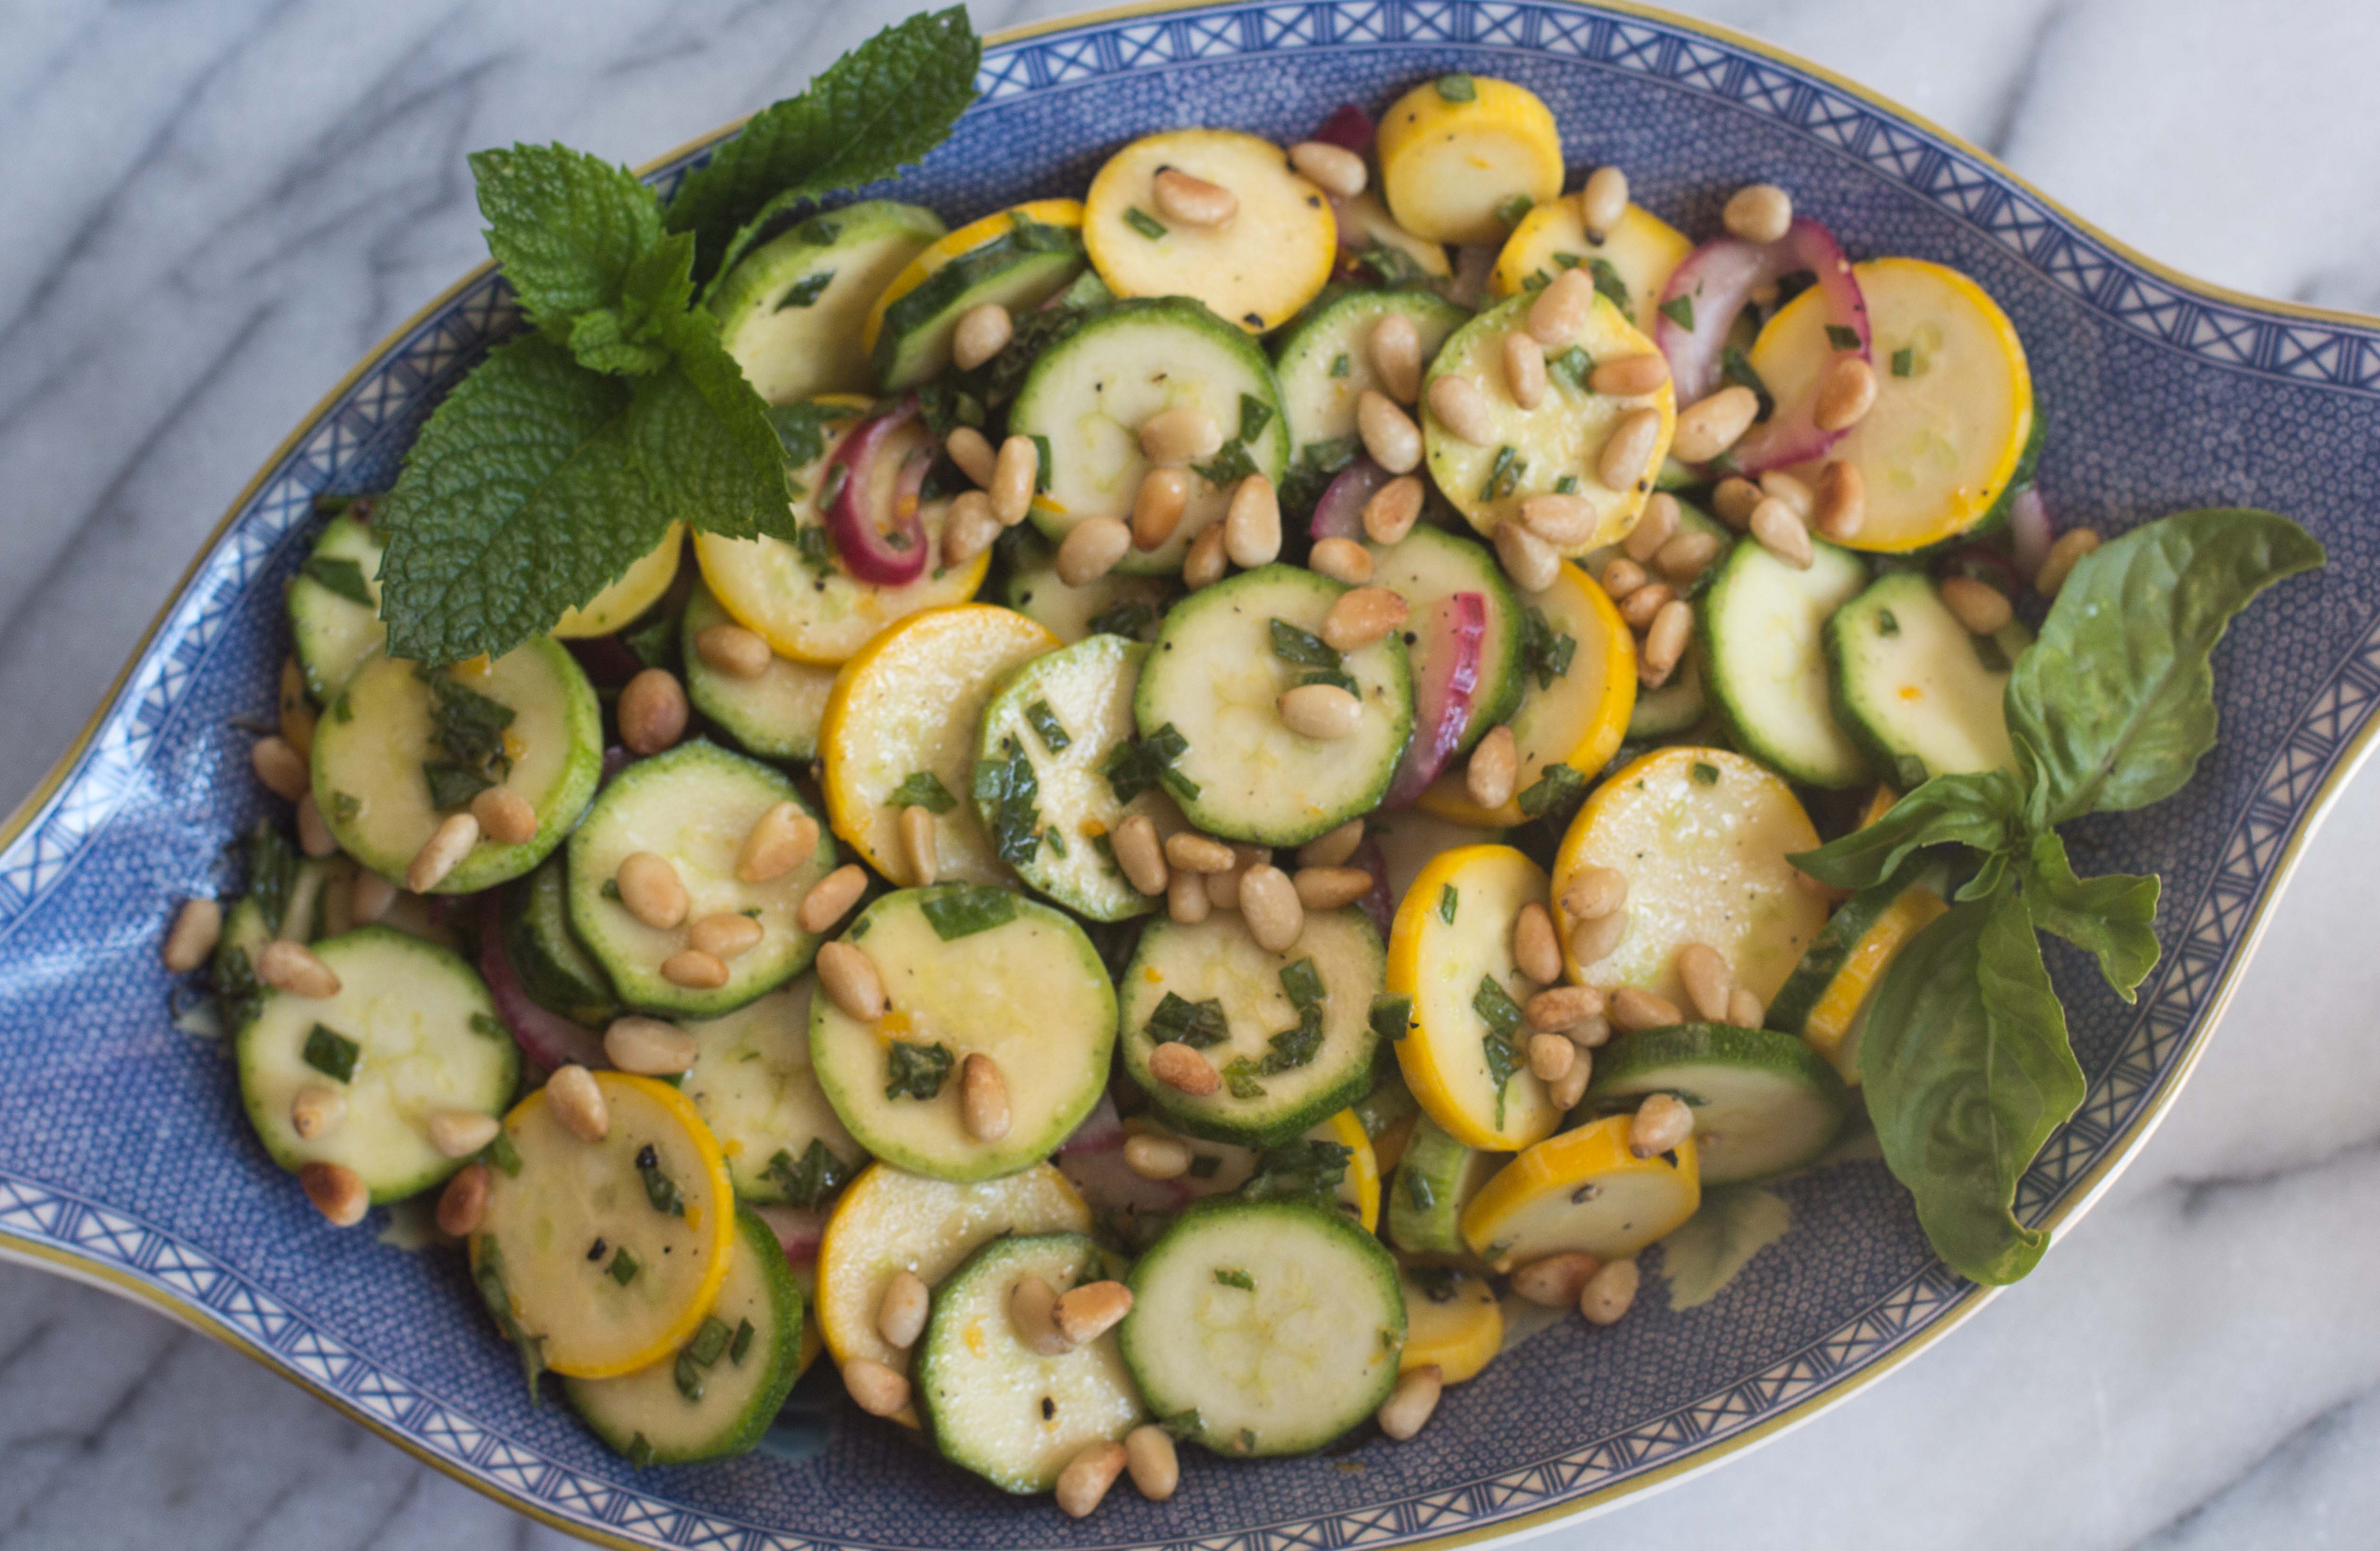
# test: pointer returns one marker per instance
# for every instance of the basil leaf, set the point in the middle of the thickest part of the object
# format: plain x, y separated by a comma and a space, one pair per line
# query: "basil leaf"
2112, 706
915, 1069
1181, 1021
964, 909
343, 578
922, 789
811, 1180
1306, 1170
1971, 809
2113, 917
1967, 1071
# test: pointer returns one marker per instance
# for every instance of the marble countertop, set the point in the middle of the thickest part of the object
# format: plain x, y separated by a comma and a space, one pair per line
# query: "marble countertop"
215, 209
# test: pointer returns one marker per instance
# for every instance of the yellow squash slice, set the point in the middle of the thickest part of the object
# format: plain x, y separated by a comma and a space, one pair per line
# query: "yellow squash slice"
638, 589
1583, 1189
1641, 251
1451, 1319
1067, 213
1257, 269
1839, 1016
1364, 223
1455, 153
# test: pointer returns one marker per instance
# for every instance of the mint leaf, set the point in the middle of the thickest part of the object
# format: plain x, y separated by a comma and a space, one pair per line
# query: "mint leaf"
630, 339
705, 442
2113, 917
885, 104
567, 228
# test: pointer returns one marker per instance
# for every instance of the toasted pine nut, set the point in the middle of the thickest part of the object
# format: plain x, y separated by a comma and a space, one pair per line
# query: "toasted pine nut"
1157, 507
1567, 522
983, 1097
2071, 548
1357, 619
650, 890
1845, 395
725, 934
1139, 855
1092, 1310
464, 1201
280, 767
1251, 523
781, 839
292, 967
1157, 1157
876, 1387
1033, 1311
1623, 578
1711, 425
849, 979
1342, 560
461, 1132
1603, 201
337, 1190
830, 897
1562, 1007
1014, 475
1085, 1481
1185, 200
1395, 349
1665, 642
1149, 1455
695, 970
1787, 488
1334, 169
1735, 499
1206, 562
1091, 549
1409, 1404
1536, 952
1388, 433
652, 712
1524, 370
1687, 554
734, 650
1589, 1033
369, 897
1332, 850
578, 1103
1533, 564
1550, 1057
197, 927
1390, 514
920, 845
1320, 710
1593, 891
1193, 852
1657, 524
973, 452
1179, 1067
983, 332
1608, 1292
504, 816
1630, 376
649, 1046
1759, 213
901, 1313
1628, 452
1743, 1009
1330, 888
1556, 1281
314, 838
1180, 434
1661, 1123
1640, 608
1494, 769
968, 527
441, 853
1708, 980
1839, 504
1268, 903
1781, 533
1562, 309
1631, 1007
1981, 607
1566, 1090
316, 1108
1185, 899
1462, 408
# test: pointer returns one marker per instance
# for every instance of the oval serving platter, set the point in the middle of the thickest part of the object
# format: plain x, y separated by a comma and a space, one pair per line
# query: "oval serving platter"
123, 1159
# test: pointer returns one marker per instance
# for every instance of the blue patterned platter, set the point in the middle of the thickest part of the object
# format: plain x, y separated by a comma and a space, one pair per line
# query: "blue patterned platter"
123, 1157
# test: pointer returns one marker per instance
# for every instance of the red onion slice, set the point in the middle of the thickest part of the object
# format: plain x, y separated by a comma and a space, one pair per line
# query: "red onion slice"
1339, 513
1451, 642
1349, 127
2029, 535
547, 1039
1379, 904
892, 555
798, 1231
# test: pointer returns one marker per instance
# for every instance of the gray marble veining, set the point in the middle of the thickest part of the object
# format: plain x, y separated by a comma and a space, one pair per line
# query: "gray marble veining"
215, 209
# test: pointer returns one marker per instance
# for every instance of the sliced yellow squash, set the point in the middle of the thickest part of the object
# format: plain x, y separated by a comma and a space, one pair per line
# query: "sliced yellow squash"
1640, 251
1455, 153
966, 239
638, 589
1583, 1189
1257, 269
1364, 223
1451, 1319
1450, 949
1838, 1017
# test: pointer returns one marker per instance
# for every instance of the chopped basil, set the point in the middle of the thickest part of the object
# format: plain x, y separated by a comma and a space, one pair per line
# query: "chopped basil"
487, 1027
1608, 284
922, 789
1735, 367
345, 578
1199, 1024
468, 726
452, 785
1254, 415
1457, 88
958, 910
1140, 221
1502, 1014
1842, 338
1047, 727
488, 1276
1546, 652
661, 1190
1226, 1277
1006, 791
1302, 985
1127, 617
737, 1348
809, 1183
812, 543
1447, 898
1055, 842
1680, 311
1302, 648
1418, 1190
1333, 677
915, 1071
1390, 266
1513, 211
1706, 773
1566, 485
709, 1343
1989, 652
502, 1156
1044, 465
346, 807
1132, 767
1229, 467
687, 1374
623, 1267
1887, 622
805, 290
640, 1451
1343, 363
1503, 474
1556, 790
1240, 1078
1574, 366
609, 888
332, 1053
1392, 1015
1203, 1166
1306, 1170
1904, 361
1437, 1282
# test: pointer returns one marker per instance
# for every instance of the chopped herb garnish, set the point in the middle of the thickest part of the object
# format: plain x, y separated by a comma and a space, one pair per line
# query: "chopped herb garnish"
346, 807
1566, 485
1608, 284
345, 578
922, 789
1706, 773
502, 1156
1842, 338
915, 1071
640, 1451
805, 290
1047, 727
1132, 768
1735, 367
1457, 88
1226, 1277
1254, 415
1240, 1078
1545, 651
809, 1183
1447, 898
1888, 623
709, 1343
1680, 311
737, 1348
958, 910
1904, 361
1417, 1189
488, 1276
687, 1374
1502, 1015
1302, 648
1513, 211
1045, 463
332, 1053
1199, 1024
1302, 985
1343, 363
1503, 474
1006, 791
468, 726
451, 785
812, 543
487, 1027
1332, 677
1390, 266
1140, 221
1556, 790
1230, 466
609, 888
1306, 1170
661, 1190
623, 1267
801, 429
1574, 366
1438, 1283
1203, 1166
1392, 1015
1128, 617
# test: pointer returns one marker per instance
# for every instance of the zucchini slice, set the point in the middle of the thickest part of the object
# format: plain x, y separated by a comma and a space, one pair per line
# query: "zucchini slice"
411, 1032
1262, 1327
334, 606
1017, 259
752, 1082
901, 729
1086, 395
993, 1404
1429, 564
1917, 691
1953, 424
716, 1396
1583, 1189
1324, 362
1673, 709
692, 806
967, 969
629, 594
1115, 604
1464, 1057
379, 741
792, 310
891, 1220
1207, 709
1557, 445
1453, 161
1765, 1103
775, 716
1578, 690
1631, 265
1452, 1319
1435, 1179
606, 1254
1825, 1001
1047, 735
555, 970
1255, 269
1291, 1055
1763, 662
1412, 838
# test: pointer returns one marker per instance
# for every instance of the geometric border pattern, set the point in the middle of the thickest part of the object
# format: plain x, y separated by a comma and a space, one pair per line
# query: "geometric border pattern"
2170, 1019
